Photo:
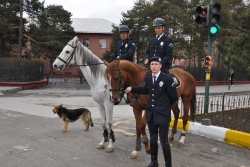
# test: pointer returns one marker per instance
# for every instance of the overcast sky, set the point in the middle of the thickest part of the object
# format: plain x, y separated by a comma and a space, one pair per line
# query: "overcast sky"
106, 9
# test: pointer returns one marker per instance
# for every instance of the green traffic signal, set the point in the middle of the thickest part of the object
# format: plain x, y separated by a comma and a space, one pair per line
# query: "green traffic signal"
214, 29
214, 18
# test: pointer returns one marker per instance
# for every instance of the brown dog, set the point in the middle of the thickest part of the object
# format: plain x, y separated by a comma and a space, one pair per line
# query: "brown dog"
71, 115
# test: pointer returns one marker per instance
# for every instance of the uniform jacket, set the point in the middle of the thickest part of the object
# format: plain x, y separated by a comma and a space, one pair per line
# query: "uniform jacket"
162, 48
232, 75
161, 96
125, 49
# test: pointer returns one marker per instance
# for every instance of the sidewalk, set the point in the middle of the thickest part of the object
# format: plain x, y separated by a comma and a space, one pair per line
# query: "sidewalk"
5, 89
219, 89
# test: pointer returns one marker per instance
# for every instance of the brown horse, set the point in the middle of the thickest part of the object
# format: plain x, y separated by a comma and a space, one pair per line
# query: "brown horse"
121, 73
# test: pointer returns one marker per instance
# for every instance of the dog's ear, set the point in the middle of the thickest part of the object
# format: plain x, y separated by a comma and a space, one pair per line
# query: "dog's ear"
61, 105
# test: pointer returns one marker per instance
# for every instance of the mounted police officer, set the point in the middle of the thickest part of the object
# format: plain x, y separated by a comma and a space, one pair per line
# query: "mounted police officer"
162, 94
125, 48
160, 45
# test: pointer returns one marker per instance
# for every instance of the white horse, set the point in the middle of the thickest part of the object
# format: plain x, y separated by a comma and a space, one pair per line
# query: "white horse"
93, 69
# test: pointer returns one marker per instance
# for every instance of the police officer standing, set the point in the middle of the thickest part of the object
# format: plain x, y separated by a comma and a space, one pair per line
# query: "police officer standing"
125, 48
162, 93
160, 45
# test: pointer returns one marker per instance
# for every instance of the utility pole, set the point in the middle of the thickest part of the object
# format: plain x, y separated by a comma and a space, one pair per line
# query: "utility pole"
20, 38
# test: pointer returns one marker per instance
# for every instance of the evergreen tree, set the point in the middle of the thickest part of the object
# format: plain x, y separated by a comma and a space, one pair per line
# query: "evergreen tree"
237, 47
9, 27
51, 29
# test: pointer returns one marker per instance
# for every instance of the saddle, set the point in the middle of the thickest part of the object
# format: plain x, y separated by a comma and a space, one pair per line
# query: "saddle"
176, 80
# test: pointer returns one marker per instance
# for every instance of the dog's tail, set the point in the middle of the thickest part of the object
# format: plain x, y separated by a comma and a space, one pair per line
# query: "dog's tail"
90, 120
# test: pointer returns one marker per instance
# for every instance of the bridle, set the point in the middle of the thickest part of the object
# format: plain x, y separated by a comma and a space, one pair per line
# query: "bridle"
121, 88
69, 58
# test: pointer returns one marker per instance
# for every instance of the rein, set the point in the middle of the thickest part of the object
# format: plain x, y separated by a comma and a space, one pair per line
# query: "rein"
135, 97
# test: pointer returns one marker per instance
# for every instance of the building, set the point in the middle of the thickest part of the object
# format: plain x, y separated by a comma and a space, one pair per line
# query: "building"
94, 33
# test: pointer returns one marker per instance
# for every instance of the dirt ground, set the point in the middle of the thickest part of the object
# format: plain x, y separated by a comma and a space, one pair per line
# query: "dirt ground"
238, 119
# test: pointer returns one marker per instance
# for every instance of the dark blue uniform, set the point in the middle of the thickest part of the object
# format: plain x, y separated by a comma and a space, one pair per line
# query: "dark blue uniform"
162, 48
158, 113
125, 50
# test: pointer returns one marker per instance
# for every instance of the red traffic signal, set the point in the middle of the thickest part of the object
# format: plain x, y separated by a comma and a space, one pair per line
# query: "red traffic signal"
208, 63
203, 17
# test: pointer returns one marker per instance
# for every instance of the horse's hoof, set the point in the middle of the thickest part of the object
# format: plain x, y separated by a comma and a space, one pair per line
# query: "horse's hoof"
171, 139
180, 144
109, 150
133, 155
100, 146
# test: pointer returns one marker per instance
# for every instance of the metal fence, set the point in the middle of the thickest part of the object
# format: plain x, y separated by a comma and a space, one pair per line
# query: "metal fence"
225, 110
14, 70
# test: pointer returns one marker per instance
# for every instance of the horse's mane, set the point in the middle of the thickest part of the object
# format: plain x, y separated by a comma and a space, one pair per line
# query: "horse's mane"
125, 65
88, 58
128, 66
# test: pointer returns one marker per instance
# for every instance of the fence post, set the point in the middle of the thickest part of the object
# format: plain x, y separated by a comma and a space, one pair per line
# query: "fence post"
223, 98
47, 77
81, 79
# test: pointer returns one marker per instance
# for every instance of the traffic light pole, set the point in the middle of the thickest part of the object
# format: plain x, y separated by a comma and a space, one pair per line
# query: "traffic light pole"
209, 53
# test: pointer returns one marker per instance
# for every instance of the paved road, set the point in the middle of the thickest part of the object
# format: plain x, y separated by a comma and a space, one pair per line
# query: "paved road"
30, 134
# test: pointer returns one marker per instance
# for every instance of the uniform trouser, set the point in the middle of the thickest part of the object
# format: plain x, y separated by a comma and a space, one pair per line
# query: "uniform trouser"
163, 132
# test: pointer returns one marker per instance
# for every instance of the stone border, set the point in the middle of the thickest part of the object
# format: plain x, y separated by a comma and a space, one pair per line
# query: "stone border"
218, 133
25, 85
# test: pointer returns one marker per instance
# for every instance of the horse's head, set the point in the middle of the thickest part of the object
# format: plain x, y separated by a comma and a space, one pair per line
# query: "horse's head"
117, 80
66, 56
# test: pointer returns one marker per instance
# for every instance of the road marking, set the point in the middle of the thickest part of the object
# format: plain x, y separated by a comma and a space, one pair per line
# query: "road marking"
125, 132
117, 123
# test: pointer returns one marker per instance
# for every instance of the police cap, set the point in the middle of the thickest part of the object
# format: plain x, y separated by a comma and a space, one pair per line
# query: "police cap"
158, 22
155, 58
123, 28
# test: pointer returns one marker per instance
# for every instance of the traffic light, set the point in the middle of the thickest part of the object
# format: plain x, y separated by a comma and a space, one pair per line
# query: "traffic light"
208, 63
203, 17
214, 18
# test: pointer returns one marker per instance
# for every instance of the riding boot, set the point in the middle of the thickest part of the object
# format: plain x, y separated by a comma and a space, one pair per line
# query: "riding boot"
167, 155
154, 153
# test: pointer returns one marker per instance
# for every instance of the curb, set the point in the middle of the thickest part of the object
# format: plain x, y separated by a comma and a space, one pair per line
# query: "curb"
218, 133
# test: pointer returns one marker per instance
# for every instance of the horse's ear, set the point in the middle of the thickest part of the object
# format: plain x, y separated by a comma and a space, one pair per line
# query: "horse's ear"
76, 39
105, 62
117, 63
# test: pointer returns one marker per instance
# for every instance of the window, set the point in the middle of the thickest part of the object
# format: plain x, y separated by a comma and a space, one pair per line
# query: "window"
102, 43
85, 42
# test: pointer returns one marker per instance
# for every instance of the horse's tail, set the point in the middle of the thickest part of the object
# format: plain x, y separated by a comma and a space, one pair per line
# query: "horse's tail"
193, 105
